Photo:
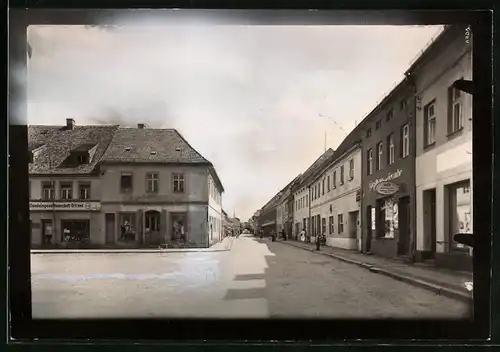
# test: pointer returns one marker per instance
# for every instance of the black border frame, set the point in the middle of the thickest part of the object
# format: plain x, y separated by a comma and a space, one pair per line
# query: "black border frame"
24, 328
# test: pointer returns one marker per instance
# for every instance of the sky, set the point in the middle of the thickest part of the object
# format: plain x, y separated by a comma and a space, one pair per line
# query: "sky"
257, 101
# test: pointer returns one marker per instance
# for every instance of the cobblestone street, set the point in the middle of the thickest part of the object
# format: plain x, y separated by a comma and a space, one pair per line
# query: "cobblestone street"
257, 278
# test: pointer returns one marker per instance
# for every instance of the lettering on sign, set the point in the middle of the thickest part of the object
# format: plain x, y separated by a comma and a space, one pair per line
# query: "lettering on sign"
63, 206
387, 188
390, 177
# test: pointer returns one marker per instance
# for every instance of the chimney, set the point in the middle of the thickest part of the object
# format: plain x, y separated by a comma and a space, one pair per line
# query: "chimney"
141, 126
70, 124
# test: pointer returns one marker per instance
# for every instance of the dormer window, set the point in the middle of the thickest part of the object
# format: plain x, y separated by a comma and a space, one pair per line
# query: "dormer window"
178, 149
80, 155
82, 159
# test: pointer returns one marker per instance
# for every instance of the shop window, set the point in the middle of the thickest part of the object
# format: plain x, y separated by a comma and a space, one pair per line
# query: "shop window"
331, 225
429, 124
84, 190
48, 191
127, 226
178, 226
387, 218
340, 223
178, 183
75, 230
342, 175
152, 182
126, 182
369, 160
459, 213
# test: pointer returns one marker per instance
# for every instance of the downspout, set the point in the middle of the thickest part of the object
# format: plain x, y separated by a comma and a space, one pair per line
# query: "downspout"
413, 155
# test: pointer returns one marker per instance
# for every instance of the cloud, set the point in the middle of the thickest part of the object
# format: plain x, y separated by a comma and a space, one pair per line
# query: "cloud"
255, 100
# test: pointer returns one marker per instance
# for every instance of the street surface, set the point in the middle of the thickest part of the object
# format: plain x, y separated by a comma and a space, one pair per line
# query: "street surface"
256, 279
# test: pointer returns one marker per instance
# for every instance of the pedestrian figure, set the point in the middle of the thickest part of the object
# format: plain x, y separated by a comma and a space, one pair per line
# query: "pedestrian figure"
302, 235
283, 234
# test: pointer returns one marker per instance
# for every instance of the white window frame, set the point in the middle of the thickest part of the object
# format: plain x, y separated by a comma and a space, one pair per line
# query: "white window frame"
340, 223
342, 175
406, 141
66, 190
87, 188
178, 181
370, 161
430, 120
152, 182
380, 155
391, 149
48, 192
457, 122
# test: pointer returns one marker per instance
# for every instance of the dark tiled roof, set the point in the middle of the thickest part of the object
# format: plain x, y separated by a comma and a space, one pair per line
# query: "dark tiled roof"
53, 144
321, 161
150, 145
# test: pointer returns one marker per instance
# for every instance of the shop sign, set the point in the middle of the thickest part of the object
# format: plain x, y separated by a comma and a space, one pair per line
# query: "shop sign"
387, 188
65, 206
390, 177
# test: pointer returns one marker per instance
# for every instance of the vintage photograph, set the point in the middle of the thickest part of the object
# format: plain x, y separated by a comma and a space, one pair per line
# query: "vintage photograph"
250, 171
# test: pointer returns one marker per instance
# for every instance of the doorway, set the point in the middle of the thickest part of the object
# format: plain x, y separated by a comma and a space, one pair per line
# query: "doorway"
353, 224
152, 227
47, 232
430, 219
403, 220
110, 228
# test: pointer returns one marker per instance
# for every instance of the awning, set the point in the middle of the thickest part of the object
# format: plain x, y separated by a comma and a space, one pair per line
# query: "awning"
464, 86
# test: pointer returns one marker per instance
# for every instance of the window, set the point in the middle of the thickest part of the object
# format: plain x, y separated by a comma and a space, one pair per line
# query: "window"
328, 183
429, 124
388, 117
335, 179
84, 190
323, 226
126, 182
351, 169
405, 141
368, 133
390, 149
459, 213
369, 158
178, 183
152, 182
330, 225
378, 124
82, 159
66, 191
323, 187
341, 223
403, 104
387, 218
342, 175
307, 200
380, 148
455, 118
48, 191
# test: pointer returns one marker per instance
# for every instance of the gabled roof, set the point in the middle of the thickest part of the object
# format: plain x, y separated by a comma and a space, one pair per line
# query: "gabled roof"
311, 170
144, 145
53, 144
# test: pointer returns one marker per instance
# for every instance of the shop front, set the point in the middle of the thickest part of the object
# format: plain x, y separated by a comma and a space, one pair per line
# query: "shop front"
65, 224
388, 213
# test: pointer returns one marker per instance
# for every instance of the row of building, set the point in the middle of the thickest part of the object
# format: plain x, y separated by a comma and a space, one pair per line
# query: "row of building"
120, 187
399, 185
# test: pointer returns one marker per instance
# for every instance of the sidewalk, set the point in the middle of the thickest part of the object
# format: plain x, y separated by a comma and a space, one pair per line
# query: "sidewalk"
441, 281
225, 245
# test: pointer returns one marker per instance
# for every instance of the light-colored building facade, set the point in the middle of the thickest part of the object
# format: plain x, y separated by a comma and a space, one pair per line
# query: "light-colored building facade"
443, 149
335, 201
65, 185
157, 189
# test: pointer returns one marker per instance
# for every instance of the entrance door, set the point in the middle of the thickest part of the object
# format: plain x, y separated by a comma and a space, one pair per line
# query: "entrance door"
47, 231
404, 226
110, 228
430, 219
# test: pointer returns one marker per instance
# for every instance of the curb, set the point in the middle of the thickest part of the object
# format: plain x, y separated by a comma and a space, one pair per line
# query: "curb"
443, 291
129, 251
